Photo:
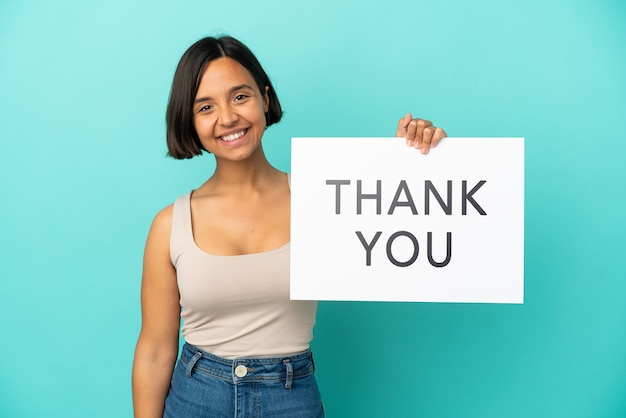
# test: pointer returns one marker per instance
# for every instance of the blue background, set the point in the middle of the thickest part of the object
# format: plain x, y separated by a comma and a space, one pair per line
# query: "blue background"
83, 89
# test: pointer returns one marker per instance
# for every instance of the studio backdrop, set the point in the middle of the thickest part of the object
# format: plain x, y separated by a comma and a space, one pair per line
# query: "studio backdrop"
83, 90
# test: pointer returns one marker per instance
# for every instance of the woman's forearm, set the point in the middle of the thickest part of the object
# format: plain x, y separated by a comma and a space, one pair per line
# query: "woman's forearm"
152, 373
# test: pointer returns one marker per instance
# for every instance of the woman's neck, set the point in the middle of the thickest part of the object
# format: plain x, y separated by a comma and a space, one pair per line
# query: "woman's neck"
240, 176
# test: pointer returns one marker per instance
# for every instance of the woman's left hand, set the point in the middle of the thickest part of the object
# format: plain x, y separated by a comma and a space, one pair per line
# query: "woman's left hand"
419, 133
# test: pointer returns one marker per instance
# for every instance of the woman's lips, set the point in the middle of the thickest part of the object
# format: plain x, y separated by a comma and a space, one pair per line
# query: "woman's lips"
233, 136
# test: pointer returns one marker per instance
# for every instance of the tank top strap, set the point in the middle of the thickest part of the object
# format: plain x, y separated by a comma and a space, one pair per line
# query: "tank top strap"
289, 180
181, 235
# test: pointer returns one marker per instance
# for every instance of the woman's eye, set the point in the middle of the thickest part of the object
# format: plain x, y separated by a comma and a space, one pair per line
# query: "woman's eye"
205, 108
240, 97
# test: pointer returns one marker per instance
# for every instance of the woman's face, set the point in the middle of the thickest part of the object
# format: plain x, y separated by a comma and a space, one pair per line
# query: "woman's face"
229, 110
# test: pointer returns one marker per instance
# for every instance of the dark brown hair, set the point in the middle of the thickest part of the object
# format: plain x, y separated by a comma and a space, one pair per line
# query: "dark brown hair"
182, 139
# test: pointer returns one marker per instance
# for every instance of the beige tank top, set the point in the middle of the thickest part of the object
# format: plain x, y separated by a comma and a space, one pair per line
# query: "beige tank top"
237, 306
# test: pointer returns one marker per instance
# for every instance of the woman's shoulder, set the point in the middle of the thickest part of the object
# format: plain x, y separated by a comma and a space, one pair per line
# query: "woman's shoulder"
164, 214
163, 219
162, 222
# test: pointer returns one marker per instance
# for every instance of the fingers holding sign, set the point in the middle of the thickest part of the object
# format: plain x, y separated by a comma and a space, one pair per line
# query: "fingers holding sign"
419, 133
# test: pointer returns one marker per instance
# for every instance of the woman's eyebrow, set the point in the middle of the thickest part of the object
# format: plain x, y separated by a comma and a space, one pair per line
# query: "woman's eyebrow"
232, 90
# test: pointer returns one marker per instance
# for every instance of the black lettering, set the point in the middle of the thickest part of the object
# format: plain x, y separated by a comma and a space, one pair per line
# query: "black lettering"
409, 199
468, 197
448, 250
415, 249
360, 196
338, 184
429, 187
368, 246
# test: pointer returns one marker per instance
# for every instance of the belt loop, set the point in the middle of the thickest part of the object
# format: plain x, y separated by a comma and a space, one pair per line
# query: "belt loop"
289, 380
192, 362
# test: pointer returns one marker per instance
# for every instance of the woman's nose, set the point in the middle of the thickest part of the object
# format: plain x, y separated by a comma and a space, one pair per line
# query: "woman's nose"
227, 116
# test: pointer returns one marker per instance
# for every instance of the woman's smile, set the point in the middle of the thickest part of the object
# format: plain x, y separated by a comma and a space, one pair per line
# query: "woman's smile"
232, 137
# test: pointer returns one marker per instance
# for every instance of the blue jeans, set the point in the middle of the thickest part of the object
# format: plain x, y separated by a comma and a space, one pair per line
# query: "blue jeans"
205, 385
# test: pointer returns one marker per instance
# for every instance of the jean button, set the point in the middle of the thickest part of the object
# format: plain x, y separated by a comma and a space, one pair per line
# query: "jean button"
241, 371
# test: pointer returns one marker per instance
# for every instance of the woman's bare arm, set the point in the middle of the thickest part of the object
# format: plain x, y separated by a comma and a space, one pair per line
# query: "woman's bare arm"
157, 347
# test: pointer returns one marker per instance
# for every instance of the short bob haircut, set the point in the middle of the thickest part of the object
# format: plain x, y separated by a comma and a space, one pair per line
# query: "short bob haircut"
182, 138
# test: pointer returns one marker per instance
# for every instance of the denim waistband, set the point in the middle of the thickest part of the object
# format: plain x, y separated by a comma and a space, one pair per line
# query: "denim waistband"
253, 369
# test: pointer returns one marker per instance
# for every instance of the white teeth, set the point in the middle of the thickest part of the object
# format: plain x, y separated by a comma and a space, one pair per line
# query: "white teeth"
232, 137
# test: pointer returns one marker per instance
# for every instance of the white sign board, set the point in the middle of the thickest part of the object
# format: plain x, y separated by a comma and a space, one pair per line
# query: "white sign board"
375, 220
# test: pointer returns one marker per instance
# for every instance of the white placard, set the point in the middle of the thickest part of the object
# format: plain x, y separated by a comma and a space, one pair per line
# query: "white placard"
374, 220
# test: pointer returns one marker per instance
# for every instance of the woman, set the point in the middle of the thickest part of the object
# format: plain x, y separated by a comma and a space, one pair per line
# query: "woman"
219, 257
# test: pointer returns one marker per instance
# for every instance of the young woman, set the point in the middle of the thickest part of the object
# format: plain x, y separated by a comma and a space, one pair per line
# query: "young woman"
219, 256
